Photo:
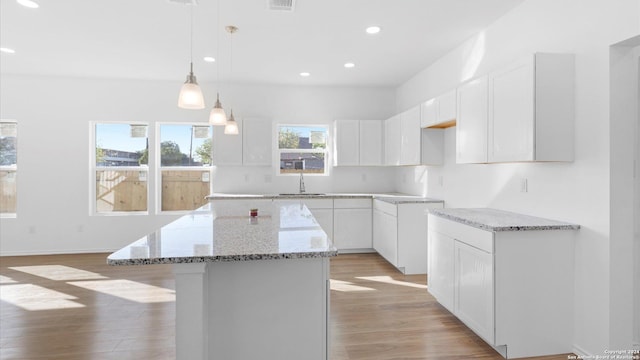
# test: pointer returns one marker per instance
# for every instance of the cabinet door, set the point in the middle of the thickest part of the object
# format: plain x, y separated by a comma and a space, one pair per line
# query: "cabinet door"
324, 218
511, 113
347, 142
429, 113
352, 228
474, 292
392, 141
447, 106
385, 239
371, 142
256, 142
227, 149
471, 122
440, 278
411, 137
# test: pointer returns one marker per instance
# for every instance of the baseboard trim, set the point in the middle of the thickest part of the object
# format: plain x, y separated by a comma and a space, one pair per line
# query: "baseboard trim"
55, 252
582, 353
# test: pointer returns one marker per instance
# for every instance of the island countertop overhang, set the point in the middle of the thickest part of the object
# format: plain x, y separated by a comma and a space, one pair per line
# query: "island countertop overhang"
224, 232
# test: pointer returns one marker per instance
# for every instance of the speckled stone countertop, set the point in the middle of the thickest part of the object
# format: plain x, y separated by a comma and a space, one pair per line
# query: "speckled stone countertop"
390, 198
499, 220
406, 199
226, 232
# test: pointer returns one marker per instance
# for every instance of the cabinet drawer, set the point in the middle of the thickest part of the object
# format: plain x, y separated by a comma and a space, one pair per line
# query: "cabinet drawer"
352, 203
385, 207
318, 203
469, 235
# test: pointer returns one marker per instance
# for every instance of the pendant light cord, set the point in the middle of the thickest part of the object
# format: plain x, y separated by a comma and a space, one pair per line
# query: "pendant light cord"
191, 38
218, 45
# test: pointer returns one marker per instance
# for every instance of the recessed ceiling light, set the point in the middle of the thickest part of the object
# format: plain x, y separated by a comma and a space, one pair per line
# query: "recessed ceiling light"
28, 3
349, 65
305, 74
209, 59
373, 29
7, 50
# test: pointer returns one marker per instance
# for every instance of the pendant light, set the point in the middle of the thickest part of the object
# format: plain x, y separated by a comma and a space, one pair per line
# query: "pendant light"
231, 128
190, 94
218, 116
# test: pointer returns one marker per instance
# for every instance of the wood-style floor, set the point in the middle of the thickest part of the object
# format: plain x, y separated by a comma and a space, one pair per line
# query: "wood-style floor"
76, 307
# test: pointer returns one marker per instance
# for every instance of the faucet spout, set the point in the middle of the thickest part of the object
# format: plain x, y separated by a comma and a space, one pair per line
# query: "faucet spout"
302, 189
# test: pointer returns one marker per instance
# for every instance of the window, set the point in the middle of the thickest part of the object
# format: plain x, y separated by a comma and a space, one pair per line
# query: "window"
8, 168
121, 167
185, 166
302, 149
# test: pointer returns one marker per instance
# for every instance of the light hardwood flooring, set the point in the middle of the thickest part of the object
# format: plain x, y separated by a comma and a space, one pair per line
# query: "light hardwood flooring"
76, 307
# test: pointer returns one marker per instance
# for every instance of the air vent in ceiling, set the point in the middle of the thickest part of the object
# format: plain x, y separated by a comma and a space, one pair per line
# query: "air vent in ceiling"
184, 2
281, 5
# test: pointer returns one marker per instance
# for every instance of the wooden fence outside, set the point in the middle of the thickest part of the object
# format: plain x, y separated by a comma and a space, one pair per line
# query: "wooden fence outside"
8, 199
118, 190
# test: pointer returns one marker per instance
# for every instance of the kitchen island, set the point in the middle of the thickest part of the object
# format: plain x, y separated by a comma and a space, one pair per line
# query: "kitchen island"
246, 287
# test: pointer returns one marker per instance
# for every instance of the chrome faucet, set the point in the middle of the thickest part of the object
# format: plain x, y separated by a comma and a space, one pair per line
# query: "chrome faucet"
302, 189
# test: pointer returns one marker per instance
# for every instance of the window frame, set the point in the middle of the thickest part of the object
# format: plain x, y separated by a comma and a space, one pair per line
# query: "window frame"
94, 168
159, 167
11, 168
277, 151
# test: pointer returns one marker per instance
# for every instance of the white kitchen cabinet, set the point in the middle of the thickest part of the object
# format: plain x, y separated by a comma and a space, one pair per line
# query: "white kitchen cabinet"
471, 122
371, 142
439, 111
227, 149
251, 147
347, 142
440, 270
322, 211
385, 235
352, 224
400, 233
531, 110
392, 141
512, 288
358, 143
256, 142
473, 300
410, 133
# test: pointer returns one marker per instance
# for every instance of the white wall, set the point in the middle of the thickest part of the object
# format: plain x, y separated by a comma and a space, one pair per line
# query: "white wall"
577, 191
53, 115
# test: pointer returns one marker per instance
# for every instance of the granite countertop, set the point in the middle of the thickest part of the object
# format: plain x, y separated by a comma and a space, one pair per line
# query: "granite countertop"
390, 198
406, 199
499, 220
226, 232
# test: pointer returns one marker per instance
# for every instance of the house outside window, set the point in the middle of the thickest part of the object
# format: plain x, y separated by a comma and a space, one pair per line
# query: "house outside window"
8, 168
121, 170
303, 149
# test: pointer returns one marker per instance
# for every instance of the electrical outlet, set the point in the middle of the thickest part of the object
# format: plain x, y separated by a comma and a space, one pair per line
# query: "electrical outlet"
524, 185
441, 180
364, 177
267, 178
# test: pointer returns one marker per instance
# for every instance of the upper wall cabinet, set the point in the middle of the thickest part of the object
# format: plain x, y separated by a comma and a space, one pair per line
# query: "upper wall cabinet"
392, 140
358, 143
410, 137
439, 111
471, 122
531, 110
251, 147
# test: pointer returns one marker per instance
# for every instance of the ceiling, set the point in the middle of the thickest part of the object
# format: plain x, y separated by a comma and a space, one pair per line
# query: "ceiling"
149, 39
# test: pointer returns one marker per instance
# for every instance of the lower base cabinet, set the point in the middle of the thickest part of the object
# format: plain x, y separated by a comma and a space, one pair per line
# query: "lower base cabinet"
400, 234
512, 288
352, 225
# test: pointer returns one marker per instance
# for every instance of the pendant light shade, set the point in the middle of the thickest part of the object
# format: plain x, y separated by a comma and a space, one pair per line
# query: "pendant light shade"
232, 126
217, 115
190, 94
